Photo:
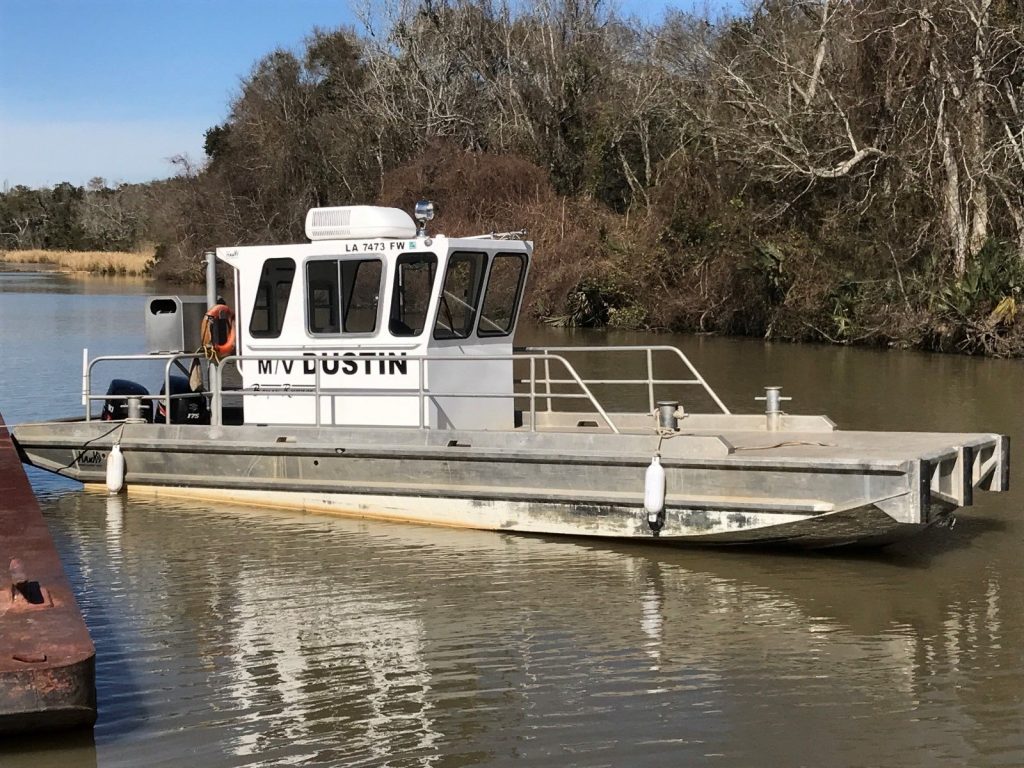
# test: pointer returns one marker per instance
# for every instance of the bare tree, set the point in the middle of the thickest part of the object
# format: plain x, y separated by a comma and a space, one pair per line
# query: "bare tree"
883, 98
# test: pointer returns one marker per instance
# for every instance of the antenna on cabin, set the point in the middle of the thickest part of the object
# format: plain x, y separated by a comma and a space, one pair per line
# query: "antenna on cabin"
424, 213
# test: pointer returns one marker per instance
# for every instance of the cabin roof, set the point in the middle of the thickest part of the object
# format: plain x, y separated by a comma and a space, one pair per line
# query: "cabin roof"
379, 246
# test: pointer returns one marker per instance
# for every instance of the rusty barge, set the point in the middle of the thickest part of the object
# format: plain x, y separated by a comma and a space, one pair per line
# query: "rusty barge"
47, 659
371, 372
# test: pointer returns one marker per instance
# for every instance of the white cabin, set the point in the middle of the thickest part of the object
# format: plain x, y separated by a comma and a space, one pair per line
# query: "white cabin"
368, 291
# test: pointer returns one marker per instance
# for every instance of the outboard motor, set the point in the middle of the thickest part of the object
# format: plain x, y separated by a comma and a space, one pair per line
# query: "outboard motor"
187, 407
117, 409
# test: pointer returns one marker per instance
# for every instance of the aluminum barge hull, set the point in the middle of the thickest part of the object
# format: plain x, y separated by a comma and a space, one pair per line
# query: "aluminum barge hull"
727, 482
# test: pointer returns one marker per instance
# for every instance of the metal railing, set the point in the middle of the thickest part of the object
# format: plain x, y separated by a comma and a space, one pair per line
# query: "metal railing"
650, 382
170, 359
424, 394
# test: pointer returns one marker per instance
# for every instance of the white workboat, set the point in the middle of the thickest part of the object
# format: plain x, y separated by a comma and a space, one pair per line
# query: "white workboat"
371, 372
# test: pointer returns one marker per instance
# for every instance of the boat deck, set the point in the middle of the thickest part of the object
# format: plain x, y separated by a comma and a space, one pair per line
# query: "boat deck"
718, 436
800, 438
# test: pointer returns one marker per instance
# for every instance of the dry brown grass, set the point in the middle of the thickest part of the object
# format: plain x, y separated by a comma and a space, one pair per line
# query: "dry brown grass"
94, 262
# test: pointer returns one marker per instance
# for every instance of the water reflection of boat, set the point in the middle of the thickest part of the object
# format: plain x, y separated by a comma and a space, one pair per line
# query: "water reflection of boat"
376, 378
401, 640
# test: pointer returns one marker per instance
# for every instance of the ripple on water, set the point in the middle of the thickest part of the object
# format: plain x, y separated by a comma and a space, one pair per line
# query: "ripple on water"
241, 636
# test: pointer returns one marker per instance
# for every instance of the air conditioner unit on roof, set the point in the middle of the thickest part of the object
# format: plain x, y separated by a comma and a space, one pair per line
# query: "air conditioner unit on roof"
358, 222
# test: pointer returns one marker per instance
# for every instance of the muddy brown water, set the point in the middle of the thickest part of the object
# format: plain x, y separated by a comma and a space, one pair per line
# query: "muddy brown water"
230, 635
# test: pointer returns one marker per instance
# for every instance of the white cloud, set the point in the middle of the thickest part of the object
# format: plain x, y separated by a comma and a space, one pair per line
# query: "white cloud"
42, 153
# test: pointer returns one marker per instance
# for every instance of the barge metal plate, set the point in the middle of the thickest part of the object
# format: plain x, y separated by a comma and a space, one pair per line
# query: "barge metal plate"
47, 659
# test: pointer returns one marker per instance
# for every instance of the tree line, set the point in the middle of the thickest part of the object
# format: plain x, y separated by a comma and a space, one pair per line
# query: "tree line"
66, 217
840, 170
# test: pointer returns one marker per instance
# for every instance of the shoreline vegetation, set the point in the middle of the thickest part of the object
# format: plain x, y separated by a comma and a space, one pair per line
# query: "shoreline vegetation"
799, 170
109, 263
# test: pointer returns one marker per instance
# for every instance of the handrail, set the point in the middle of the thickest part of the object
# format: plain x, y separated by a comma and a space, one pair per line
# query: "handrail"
169, 357
421, 390
650, 381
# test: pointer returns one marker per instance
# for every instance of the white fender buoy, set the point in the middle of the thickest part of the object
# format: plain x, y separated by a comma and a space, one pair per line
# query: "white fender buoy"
654, 489
115, 469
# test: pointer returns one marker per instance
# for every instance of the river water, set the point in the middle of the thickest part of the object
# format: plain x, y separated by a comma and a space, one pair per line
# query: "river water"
231, 635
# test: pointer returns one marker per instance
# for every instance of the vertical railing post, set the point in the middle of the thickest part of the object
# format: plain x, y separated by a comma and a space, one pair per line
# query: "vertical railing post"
650, 381
547, 381
216, 398
167, 390
86, 388
316, 394
533, 393
420, 396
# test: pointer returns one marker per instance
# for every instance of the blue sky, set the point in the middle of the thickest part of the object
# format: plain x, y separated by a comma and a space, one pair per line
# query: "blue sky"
114, 88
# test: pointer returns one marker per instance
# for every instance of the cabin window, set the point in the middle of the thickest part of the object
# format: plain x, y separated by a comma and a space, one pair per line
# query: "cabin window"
323, 291
360, 284
272, 294
342, 296
410, 300
501, 298
460, 296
